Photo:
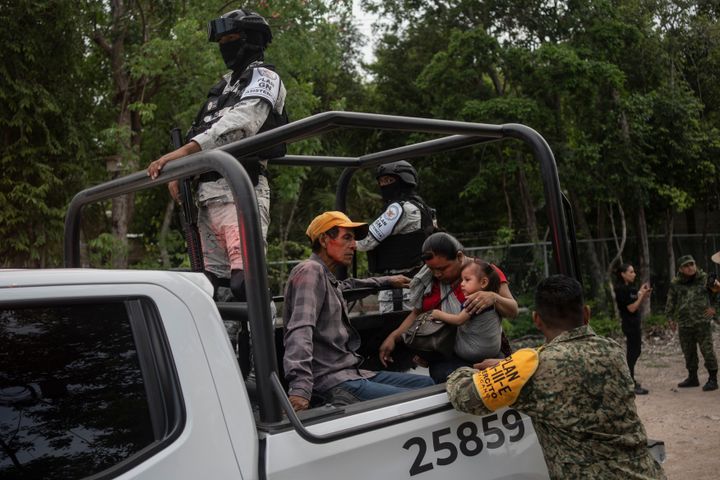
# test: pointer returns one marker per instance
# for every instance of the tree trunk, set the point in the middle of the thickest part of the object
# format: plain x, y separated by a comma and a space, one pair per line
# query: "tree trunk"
284, 235
529, 210
601, 230
127, 92
506, 195
164, 232
669, 231
123, 206
644, 260
619, 247
596, 271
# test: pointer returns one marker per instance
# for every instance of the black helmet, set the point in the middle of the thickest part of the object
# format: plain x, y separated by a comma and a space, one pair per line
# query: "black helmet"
401, 169
239, 21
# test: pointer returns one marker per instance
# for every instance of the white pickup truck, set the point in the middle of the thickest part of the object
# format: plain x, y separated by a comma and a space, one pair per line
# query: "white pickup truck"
130, 374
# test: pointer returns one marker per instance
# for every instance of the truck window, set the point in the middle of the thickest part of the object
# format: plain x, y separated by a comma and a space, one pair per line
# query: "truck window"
72, 397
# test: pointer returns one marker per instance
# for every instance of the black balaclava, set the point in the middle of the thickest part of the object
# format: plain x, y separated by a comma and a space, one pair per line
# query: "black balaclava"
398, 190
240, 53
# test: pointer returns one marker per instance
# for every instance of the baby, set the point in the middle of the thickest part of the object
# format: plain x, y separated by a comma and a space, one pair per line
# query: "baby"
478, 336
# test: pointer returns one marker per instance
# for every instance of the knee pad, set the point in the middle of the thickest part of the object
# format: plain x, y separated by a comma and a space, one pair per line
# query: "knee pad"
237, 285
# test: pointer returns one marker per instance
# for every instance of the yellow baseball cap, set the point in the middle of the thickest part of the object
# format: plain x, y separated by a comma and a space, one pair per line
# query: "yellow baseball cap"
327, 220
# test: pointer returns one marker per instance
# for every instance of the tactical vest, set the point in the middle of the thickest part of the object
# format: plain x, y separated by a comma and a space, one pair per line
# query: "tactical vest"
402, 251
216, 101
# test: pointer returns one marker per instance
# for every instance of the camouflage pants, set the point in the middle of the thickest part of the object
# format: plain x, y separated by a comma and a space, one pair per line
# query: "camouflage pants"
690, 339
218, 226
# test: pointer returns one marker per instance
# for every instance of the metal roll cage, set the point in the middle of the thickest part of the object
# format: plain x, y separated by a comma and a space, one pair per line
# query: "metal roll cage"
222, 160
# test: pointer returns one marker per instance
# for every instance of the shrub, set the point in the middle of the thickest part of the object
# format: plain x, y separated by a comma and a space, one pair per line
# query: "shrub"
605, 325
520, 326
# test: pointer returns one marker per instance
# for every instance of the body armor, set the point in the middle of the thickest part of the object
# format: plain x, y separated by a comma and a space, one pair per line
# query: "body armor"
209, 114
402, 251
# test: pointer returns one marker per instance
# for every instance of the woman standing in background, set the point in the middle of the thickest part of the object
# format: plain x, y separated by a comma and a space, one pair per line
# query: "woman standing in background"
628, 300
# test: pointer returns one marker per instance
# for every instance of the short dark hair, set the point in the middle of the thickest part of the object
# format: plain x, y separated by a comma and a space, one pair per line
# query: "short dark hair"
482, 269
332, 233
443, 244
559, 301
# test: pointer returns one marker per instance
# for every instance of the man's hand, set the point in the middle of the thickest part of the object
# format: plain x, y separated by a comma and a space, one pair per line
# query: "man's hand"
480, 300
709, 312
156, 167
399, 281
299, 403
386, 350
174, 188
645, 290
487, 363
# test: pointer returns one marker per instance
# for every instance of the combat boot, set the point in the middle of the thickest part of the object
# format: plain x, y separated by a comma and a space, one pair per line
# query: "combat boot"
639, 390
711, 383
690, 381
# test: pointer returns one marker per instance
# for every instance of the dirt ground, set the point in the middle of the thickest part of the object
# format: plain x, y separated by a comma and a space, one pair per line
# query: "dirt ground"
686, 419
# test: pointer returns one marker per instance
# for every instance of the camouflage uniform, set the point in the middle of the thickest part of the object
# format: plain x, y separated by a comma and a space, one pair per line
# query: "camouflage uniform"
581, 402
687, 300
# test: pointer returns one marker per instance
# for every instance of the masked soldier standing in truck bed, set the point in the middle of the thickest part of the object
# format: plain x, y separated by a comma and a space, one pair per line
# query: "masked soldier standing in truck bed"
247, 100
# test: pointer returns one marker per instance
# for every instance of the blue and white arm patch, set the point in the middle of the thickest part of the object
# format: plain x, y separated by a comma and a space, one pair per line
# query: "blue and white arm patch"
265, 84
385, 224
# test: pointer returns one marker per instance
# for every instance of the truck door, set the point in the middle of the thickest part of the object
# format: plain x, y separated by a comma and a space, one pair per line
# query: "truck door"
424, 438
107, 380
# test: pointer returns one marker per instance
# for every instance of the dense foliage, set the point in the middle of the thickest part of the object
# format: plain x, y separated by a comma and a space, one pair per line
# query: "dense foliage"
625, 91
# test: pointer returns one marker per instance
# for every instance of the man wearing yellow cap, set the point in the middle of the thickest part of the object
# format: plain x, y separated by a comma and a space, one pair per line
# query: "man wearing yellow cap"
321, 346
576, 389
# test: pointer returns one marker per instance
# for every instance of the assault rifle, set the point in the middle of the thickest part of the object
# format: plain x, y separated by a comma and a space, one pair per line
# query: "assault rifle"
189, 216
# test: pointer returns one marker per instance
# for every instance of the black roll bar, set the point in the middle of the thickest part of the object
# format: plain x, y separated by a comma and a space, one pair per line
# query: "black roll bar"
347, 432
222, 160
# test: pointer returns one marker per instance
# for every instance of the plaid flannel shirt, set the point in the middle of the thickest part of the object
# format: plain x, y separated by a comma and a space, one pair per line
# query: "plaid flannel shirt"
320, 344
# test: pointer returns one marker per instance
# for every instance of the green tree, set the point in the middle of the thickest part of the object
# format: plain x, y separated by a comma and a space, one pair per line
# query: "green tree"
46, 144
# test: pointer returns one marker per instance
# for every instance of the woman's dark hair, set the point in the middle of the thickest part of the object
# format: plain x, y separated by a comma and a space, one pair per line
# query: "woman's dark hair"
620, 270
482, 269
442, 244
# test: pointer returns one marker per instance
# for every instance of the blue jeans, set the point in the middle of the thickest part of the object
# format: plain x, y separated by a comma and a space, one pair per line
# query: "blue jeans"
440, 370
384, 384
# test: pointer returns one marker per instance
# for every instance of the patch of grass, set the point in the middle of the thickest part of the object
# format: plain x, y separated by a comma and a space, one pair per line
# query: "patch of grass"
520, 326
605, 325
655, 323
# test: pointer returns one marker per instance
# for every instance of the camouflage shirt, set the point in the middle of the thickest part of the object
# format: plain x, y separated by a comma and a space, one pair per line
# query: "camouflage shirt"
582, 405
688, 299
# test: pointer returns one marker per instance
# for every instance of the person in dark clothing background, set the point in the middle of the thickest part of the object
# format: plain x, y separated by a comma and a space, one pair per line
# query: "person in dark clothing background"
629, 299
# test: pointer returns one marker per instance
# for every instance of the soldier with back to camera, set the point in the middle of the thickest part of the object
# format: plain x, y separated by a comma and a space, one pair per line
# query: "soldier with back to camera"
576, 388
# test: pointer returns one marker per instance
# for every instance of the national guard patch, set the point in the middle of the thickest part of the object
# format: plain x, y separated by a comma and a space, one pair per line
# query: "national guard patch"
265, 84
499, 386
383, 227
